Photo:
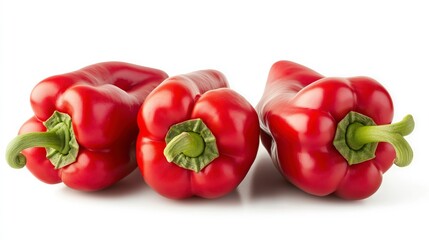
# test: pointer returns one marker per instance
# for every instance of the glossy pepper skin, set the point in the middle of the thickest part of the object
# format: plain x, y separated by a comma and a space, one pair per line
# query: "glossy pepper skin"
301, 113
94, 148
188, 103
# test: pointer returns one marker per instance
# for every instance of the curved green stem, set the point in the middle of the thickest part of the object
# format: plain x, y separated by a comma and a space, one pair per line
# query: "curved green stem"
358, 135
190, 145
29, 140
59, 141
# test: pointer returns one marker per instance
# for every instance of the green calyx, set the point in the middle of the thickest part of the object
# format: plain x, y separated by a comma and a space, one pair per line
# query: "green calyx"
59, 141
357, 137
190, 145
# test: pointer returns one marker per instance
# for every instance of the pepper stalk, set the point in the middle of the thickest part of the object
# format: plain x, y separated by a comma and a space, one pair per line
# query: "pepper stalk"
357, 137
190, 145
59, 141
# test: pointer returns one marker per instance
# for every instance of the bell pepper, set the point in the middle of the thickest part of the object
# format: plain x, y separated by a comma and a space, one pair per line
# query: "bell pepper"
84, 126
331, 135
197, 136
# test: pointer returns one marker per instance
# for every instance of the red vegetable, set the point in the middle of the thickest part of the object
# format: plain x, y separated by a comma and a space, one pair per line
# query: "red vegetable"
331, 135
86, 120
197, 137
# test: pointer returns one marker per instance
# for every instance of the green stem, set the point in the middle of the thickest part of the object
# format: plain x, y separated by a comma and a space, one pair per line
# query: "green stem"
59, 141
189, 143
358, 135
29, 140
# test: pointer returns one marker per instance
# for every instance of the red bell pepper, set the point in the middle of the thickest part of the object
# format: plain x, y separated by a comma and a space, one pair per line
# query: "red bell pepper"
84, 125
197, 137
330, 135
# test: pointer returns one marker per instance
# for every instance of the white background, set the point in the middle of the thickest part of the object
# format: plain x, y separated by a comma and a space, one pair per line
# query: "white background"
387, 40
